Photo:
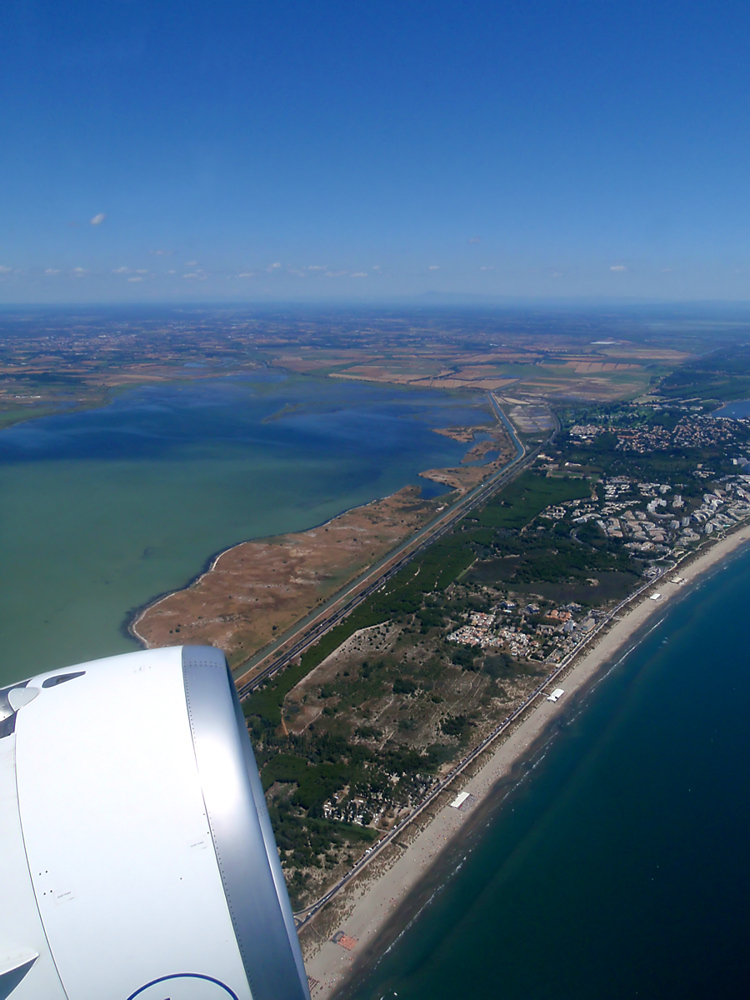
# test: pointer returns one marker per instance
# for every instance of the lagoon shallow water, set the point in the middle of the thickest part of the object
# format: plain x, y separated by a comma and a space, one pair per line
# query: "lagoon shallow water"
618, 867
101, 511
738, 410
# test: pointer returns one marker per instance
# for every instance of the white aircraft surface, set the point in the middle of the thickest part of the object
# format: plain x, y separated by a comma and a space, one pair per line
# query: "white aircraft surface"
137, 860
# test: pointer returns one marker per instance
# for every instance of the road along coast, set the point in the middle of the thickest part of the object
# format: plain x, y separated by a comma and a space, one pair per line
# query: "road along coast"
362, 916
258, 588
256, 598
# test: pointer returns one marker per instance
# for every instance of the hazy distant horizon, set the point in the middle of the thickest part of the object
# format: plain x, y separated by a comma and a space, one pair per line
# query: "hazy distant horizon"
427, 299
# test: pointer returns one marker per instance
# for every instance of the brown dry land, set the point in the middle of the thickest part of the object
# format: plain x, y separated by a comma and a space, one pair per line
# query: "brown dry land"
259, 588
467, 476
462, 434
541, 368
589, 379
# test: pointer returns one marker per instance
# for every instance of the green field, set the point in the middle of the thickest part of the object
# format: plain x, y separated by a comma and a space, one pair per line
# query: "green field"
527, 496
723, 375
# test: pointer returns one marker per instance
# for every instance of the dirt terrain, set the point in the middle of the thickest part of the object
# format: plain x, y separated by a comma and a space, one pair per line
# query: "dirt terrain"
378, 713
466, 476
463, 434
260, 587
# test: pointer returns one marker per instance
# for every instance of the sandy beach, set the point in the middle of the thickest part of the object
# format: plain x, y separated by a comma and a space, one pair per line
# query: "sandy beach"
357, 915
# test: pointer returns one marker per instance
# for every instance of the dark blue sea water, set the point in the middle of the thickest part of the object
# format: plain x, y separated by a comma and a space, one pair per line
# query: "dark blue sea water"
619, 866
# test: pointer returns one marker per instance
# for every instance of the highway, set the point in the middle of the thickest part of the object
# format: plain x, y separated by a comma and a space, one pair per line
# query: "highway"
371, 581
303, 917
376, 577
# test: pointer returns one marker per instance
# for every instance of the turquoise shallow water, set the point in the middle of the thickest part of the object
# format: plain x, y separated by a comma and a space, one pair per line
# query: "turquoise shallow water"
101, 511
619, 865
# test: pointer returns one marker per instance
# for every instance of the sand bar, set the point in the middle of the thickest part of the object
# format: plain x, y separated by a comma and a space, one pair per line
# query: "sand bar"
252, 592
368, 902
260, 587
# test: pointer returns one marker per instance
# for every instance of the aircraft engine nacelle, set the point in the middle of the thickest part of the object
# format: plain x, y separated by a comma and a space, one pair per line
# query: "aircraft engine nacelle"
137, 860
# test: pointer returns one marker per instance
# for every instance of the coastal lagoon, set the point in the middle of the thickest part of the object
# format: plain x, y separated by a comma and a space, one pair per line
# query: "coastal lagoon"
615, 863
103, 510
740, 410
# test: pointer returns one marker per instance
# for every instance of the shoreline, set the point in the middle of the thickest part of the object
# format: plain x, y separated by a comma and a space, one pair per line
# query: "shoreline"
369, 910
134, 617
131, 624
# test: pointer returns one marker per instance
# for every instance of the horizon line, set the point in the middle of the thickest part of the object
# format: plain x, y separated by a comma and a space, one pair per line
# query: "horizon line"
423, 299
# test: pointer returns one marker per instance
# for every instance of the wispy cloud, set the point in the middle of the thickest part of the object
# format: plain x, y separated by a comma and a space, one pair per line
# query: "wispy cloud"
79, 272
122, 270
377, 267
618, 267
191, 263
359, 274
434, 267
475, 239
52, 270
336, 274
275, 266
316, 267
487, 267
667, 270
136, 278
162, 253
247, 274
98, 219
4, 269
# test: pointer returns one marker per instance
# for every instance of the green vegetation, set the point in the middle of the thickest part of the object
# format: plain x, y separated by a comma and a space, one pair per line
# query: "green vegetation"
456, 725
301, 773
336, 759
722, 375
469, 626
434, 571
441, 565
551, 557
528, 496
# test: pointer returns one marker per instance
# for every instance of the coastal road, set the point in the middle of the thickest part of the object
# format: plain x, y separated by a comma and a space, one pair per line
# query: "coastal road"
308, 633
304, 916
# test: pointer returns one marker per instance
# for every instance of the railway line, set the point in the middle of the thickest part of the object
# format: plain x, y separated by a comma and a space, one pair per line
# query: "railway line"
429, 535
304, 916
407, 552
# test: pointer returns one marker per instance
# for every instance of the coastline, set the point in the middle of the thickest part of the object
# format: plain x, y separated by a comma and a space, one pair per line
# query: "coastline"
378, 530
136, 616
368, 907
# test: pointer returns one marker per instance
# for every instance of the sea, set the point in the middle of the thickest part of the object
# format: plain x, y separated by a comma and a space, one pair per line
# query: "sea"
103, 510
739, 410
615, 862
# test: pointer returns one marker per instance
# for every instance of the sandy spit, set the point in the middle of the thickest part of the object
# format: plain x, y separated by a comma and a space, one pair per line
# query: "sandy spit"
367, 903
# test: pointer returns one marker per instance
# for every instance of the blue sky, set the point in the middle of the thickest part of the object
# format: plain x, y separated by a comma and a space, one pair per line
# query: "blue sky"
373, 150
